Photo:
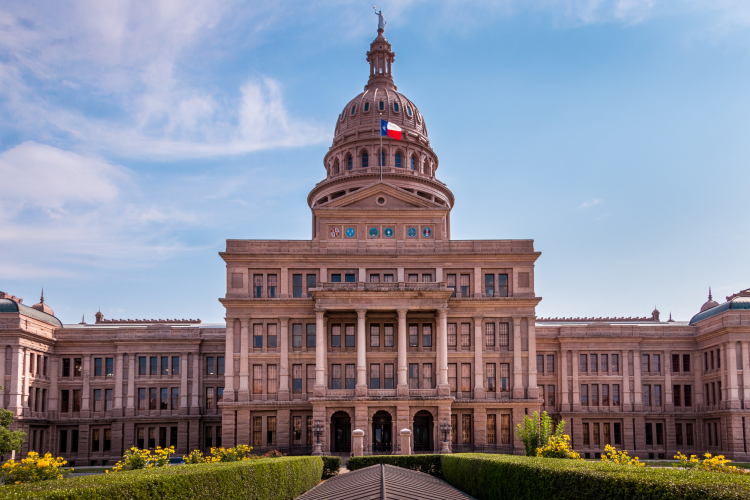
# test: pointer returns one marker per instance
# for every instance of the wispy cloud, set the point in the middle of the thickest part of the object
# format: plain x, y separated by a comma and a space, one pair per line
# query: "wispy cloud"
589, 203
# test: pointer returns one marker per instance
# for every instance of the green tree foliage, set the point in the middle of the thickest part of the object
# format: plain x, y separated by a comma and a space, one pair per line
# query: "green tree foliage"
536, 430
9, 440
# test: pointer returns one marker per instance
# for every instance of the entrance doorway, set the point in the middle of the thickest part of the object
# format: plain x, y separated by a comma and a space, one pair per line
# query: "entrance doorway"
381, 432
423, 431
342, 432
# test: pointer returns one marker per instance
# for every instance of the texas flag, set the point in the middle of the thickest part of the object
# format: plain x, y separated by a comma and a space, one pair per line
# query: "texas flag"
390, 129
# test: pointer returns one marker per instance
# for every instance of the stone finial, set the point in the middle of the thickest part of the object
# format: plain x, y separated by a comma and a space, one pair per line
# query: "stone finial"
670, 320
83, 319
99, 316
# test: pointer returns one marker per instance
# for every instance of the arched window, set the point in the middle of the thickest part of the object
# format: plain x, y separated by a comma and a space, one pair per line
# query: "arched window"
413, 163
398, 160
365, 159
408, 110
367, 107
354, 108
382, 158
349, 162
336, 166
395, 107
381, 106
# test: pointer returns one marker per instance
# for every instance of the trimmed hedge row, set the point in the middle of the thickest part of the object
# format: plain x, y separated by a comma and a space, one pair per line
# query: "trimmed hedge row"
265, 479
429, 464
498, 477
331, 466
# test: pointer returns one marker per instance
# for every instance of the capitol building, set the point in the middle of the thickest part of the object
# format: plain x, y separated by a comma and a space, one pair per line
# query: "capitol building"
379, 322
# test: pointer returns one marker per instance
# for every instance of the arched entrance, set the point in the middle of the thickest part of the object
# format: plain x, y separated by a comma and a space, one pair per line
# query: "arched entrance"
342, 432
423, 431
382, 432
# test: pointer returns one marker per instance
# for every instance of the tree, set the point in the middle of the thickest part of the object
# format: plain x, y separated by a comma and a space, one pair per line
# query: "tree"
9, 440
535, 431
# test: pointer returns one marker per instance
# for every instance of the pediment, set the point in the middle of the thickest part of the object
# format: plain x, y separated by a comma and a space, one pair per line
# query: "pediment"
382, 195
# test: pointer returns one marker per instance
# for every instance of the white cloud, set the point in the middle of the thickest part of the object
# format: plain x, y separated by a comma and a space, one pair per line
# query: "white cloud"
590, 203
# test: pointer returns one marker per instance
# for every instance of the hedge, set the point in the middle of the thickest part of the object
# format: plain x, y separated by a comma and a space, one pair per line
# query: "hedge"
331, 466
429, 464
501, 477
263, 479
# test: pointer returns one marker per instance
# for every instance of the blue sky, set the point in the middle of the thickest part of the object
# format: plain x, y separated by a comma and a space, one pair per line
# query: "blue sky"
138, 136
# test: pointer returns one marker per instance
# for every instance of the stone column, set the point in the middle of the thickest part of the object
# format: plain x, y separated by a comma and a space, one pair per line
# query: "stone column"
443, 387
668, 402
284, 359
723, 402
698, 388
405, 441
26, 378
183, 384
130, 410
576, 386
85, 393
732, 390
229, 361
16, 382
518, 392
53, 376
361, 387
638, 387
194, 402
625, 387
320, 346
745, 374
479, 390
403, 388
477, 282
284, 283
118, 384
564, 400
244, 392
533, 391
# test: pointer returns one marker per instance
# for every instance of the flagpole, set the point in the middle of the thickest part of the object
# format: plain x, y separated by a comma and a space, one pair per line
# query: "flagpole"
380, 154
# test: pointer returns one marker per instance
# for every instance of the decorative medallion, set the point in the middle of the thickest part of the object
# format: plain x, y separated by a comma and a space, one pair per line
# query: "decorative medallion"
427, 232
334, 232
388, 232
373, 232
350, 232
412, 232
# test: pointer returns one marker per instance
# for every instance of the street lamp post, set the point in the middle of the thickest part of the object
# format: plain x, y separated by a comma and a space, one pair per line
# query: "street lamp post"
445, 428
317, 430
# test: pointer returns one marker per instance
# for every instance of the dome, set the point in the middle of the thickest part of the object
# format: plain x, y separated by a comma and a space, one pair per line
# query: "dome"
42, 307
709, 303
738, 301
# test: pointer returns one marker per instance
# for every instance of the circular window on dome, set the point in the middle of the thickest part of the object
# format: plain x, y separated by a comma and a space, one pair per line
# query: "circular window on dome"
412, 232
408, 110
427, 232
380, 200
388, 232
373, 232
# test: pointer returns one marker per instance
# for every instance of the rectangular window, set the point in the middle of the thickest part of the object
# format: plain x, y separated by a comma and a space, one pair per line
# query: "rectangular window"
77, 367
210, 365
165, 365
465, 335
257, 431
489, 373
645, 363
97, 399
618, 433
615, 358
258, 286
374, 335
657, 395
466, 377
154, 365
297, 335
615, 394
107, 439
271, 285
452, 284
676, 395
689, 434
604, 364
659, 434
310, 378
63, 447
175, 365
296, 379
452, 382
594, 395
584, 395
220, 365
657, 363
489, 334
272, 384
551, 395
454, 428
550, 363
491, 429
540, 363
583, 366
175, 398
66, 367
712, 359
387, 375
426, 335
257, 379
452, 337
110, 367
97, 366
426, 278
76, 401
413, 278
607, 436
718, 358
688, 395
164, 399
465, 288
336, 278
705, 361
489, 285
388, 335
163, 437
585, 432
505, 429
297, 286
209, 438
272, 338
335, 335
374, 278
350, 371
675, 363
605, 394
502, 335
594, 364
336, 376
297, 429
310, 284
678, 433
686, 363
466, 428
142, 402
257, 336
309, 433
152, 401
374, 376
140, 442
646, 395
502, 285
504, 377
349, 335
413, 375
597, 437
108, 393
142, 366
413, 335
310, 334
94, 439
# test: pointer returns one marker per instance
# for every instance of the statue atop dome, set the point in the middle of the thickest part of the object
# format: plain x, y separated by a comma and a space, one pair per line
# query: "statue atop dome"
381, 19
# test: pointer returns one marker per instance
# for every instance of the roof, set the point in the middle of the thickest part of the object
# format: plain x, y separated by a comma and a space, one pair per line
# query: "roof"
384, 482
11, 306
737, 302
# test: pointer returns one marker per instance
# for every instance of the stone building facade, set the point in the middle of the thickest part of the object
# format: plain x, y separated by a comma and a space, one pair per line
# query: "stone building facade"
379, 322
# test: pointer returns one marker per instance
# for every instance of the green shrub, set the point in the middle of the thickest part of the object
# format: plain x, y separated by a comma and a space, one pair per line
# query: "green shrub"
262, 479
429, 464
331, 466
502, 477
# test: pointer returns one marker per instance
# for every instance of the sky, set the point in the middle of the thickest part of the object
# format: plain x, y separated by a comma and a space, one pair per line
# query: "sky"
136, 137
